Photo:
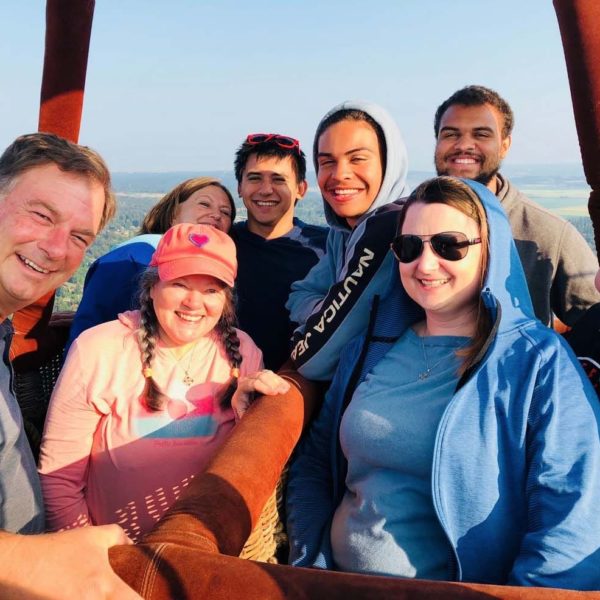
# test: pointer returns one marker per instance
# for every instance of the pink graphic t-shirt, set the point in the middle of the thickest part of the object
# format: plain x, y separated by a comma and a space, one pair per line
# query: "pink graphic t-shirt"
105, 457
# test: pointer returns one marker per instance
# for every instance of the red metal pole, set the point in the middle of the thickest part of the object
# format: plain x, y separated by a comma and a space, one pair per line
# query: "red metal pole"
579, 22
68, 29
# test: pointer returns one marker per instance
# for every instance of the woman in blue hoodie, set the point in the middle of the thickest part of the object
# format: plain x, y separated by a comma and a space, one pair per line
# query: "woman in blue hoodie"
459, 439
361, 165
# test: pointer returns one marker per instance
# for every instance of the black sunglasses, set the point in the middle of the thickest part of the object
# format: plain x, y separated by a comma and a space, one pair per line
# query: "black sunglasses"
449, 245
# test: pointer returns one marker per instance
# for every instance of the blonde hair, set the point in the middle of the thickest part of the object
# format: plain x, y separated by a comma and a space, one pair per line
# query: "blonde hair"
162, 214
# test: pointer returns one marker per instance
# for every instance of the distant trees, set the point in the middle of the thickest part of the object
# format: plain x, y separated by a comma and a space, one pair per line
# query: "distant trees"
132, 209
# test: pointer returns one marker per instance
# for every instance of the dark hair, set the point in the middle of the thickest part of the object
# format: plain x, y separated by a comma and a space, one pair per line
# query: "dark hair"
269, 149
454, 192
161, 215
40, 149
477, 95
152, 396
351, 114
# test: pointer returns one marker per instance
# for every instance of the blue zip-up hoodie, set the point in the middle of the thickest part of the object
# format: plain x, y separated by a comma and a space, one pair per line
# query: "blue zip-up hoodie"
516, 465
339, 288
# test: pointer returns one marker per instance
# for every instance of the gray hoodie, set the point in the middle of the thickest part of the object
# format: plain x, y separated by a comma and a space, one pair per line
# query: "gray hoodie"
339, 288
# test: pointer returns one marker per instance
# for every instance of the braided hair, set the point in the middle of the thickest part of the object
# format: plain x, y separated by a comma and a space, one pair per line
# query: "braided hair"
148, 334
228, 333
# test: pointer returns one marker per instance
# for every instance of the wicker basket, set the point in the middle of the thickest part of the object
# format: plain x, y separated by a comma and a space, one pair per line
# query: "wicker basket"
268, 540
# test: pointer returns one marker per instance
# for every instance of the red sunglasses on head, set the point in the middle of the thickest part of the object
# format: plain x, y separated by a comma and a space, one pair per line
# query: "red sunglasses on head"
283, 141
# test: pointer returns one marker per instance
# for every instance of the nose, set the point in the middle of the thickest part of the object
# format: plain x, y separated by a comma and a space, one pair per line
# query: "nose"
465, 142
193, 300
428, 261
55, 243
341, 170
266, 188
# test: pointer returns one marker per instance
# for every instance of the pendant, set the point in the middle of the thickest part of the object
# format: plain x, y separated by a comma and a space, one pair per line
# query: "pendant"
424, 375
187, 379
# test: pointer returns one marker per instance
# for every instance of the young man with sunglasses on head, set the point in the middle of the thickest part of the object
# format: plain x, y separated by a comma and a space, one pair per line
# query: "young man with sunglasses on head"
473, 135
274, 248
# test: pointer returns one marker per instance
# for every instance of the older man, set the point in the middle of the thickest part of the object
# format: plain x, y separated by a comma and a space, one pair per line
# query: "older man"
55, 196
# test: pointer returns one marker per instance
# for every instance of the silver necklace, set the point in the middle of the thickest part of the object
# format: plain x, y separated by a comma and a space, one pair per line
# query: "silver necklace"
425, 374
187, 378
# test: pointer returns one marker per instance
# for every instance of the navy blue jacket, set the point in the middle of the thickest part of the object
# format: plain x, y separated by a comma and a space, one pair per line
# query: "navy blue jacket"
266, 271
111, 283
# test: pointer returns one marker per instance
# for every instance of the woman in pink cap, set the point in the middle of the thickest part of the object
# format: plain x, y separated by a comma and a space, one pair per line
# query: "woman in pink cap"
144, 401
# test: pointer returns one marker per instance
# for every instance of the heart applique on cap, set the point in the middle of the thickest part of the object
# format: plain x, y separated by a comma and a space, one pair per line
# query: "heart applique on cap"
198, 240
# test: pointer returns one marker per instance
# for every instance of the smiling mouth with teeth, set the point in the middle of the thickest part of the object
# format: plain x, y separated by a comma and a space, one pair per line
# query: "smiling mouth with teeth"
35, 267
345, 191
189, 318
433, 283
265, 203
465, 160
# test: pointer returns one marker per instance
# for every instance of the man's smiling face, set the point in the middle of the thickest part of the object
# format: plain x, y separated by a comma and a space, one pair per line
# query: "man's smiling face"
470, 143
48, 218
269, 189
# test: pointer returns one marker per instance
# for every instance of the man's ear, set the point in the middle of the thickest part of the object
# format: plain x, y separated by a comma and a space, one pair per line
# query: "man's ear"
301, 191
240, 190
505, 146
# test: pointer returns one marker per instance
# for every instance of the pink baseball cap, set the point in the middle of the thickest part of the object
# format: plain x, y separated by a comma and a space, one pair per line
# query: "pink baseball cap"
188, 249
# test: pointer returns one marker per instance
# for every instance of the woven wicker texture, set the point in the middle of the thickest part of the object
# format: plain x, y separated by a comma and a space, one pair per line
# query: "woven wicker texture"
268, 540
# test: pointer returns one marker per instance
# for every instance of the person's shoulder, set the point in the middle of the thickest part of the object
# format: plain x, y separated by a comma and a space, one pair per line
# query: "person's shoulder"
315, 235
541, 339
139, 248
310, 227
110, 334
245, 339
247, 344
238, 228
518, 200
392, 208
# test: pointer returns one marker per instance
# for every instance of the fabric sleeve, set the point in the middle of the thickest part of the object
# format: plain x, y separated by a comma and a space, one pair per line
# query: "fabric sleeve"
561, 547
67, 445
252, 358
311, 498
306, 294
342, 312
573, 290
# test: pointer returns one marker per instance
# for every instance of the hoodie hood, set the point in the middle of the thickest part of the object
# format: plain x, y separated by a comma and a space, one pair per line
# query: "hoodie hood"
505, 282
505, 286
394, 184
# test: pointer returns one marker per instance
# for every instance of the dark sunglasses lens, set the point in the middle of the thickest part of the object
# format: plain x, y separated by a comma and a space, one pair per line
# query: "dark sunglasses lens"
285, 142
258, 138
408, 248
450, 246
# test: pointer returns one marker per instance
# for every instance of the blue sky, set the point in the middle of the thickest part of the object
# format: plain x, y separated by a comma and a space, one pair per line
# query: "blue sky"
177, 85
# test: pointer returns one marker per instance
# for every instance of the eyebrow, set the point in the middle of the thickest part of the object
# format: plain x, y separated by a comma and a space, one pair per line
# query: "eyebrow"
481, 128
261, 173
352, 151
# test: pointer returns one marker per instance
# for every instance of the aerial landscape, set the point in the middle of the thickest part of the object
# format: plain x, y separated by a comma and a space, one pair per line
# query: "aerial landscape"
560, 188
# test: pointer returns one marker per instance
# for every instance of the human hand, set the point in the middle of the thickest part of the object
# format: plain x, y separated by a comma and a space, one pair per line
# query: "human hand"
262, 382
69, 564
